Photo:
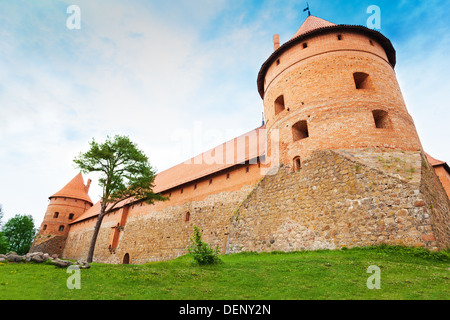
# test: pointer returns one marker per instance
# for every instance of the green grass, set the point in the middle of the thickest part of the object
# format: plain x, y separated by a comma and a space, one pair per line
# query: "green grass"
406, 273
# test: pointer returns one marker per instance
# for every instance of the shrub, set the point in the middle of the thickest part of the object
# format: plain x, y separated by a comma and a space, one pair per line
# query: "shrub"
202, 252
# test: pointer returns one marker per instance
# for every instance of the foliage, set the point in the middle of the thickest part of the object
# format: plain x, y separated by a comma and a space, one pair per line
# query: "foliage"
303, 275
125, 173
125, 170
202, 252
4, 245
20, 232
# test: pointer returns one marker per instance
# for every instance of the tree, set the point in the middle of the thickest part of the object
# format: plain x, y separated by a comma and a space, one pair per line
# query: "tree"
125, 173
20, 232
4, 246
1, 216
201, 251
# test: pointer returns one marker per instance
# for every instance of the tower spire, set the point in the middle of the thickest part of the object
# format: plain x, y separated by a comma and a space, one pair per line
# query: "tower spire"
307, 9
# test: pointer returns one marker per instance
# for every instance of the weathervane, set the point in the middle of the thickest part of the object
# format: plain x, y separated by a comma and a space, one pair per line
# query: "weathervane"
307, 9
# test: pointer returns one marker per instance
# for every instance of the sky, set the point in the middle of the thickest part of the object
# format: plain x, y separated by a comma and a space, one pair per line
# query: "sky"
159, 71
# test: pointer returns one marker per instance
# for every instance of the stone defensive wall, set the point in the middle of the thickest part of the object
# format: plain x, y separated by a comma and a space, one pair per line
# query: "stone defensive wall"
341, 198
345, 198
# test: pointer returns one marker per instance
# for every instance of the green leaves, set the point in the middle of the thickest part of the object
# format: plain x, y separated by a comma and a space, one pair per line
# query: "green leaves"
125, 171
201, 252
20, 232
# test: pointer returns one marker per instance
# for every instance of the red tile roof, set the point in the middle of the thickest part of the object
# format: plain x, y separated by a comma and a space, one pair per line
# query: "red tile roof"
312, 23
246, 147
75, 189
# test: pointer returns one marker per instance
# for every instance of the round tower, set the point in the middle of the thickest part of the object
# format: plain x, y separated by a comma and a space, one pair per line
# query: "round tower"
65, 206
333, 87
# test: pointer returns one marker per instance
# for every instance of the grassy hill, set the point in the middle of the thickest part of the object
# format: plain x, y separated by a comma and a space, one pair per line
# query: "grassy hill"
406, 273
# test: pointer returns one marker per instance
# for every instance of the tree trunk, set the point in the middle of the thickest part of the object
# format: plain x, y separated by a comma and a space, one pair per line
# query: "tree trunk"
95, 235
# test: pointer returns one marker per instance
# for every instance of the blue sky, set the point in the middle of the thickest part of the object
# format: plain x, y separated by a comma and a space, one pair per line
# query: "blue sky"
160, 70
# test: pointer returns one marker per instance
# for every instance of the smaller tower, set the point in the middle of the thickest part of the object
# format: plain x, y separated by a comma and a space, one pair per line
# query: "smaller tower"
65, 206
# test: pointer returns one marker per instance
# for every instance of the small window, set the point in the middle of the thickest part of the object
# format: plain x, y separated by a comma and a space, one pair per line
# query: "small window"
71, 216
300, 130
182, 190
278, 62
371, 42
339, 37
187, 216
297, 165
45, 227
362, 80
247, 169
228, 176
210, 181
305, 45
195, 186
55, 215
61, 228
381, 119
279, 105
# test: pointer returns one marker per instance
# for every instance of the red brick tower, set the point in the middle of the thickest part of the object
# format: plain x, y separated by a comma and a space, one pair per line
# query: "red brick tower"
65, 206
334, 87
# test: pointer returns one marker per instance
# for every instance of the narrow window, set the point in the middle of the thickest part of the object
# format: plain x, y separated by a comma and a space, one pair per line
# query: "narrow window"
187, 216
279, 105
195, 186
45, 227
181, 190
361, 80
339, 37
247, 169
71, 216
228, 176
300, 130
210, 181
126, 259
297, 164
305, 45
55, 215
61, 228
371, 42
381, 119
278, 62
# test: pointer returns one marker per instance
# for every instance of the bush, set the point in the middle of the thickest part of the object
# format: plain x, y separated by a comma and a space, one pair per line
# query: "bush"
202, 252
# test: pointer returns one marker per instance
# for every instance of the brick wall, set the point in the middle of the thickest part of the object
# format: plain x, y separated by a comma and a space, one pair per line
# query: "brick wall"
318, 87
160, 231
342, 199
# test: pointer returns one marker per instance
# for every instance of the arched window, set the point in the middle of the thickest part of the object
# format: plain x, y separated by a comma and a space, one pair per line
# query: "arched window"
126, 259
279, 105
362, 80
381, 119
300, 130
61, 228
187, 216
44, 227
297, 165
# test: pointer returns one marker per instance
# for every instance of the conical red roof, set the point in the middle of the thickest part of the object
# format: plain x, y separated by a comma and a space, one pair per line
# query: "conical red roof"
75, 189
312, 23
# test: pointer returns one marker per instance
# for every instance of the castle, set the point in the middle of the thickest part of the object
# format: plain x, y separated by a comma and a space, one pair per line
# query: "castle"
336, 163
